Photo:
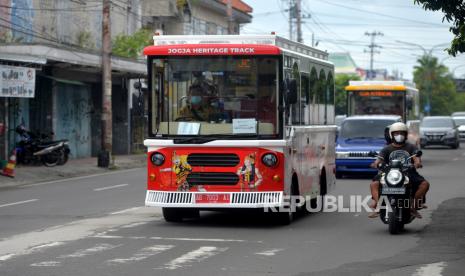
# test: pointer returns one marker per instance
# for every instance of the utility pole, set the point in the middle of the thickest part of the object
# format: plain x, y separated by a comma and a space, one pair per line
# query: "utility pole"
107, 135
229, 12
372, 50
298, 15
291, 16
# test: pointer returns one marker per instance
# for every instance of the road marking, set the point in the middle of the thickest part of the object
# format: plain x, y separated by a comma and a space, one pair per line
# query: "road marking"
200, 239
22, 244
89, 251
110, 187
19, 202
47, 264
79, 177
135, 224
270, 252
30, 250
195, 256
456, 159
434, 269
142, 254
126, 210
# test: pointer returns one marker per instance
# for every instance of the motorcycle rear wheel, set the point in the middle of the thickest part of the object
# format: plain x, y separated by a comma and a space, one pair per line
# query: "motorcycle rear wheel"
51, 160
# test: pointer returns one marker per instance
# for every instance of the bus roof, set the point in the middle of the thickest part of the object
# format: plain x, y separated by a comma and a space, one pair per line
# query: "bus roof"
219, 41
211, 50
379, 85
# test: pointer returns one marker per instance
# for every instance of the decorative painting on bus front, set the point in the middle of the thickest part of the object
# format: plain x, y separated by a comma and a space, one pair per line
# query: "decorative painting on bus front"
249, 174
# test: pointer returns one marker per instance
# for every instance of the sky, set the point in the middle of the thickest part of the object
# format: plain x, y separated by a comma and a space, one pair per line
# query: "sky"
340, 26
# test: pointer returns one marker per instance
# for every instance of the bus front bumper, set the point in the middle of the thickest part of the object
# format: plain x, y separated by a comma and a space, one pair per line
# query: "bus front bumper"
213, 199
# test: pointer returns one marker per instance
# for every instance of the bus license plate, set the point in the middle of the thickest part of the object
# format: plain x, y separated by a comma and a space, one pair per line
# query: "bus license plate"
393, 191
212, 198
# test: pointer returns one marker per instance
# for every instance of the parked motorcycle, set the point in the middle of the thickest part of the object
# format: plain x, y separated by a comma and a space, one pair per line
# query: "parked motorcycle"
396, 193
38, 148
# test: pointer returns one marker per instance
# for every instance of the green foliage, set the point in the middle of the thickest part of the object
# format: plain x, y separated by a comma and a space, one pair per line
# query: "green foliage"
84, 40
454, 11
341, 81
131, 46
434, 81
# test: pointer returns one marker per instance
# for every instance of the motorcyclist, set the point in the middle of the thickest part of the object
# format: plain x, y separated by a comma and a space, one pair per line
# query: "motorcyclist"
399, 147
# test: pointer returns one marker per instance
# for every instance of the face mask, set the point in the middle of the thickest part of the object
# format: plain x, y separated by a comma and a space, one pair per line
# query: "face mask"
399, 138
196, 99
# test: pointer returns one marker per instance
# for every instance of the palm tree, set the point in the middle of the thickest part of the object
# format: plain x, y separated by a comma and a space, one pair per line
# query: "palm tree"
435, 84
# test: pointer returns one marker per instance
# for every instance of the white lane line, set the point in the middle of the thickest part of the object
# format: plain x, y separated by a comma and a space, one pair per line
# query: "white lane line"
195, 256
47, 264
110, 187
135, 224
34, 249
6, 257
21, 244
142, 254
434, 269
270, 252
126, 210
79, 177
200, 239
19, 202
89, 251
456, 159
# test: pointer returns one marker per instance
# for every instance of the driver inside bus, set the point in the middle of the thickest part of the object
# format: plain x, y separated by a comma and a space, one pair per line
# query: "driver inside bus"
199, 106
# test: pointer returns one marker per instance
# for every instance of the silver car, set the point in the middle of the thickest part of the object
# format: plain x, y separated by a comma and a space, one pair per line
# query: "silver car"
439, 130
460, 123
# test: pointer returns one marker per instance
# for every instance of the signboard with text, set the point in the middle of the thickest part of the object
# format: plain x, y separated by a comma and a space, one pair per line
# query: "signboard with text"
17, 82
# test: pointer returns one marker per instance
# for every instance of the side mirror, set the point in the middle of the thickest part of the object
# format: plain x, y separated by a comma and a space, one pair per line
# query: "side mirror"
291, 91
419, 153
409, 103
137, 85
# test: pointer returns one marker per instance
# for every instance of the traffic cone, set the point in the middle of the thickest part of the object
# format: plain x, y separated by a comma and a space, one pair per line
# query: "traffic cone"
9, 169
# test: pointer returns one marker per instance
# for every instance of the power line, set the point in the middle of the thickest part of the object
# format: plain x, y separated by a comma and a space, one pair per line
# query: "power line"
380, 14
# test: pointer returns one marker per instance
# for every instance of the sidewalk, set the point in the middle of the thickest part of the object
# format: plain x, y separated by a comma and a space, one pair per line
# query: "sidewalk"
73, 168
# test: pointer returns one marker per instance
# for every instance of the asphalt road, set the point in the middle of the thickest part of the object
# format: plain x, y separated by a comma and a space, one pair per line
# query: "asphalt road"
97, 226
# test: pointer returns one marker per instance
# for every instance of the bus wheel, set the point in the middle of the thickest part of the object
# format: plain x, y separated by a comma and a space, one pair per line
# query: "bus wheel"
287, 215
172, 214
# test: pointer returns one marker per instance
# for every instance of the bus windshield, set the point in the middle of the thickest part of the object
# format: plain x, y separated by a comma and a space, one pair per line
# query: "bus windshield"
215, 96
376, 103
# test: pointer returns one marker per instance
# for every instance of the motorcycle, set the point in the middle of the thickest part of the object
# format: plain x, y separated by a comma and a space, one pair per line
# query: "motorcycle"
396, 193
36, 148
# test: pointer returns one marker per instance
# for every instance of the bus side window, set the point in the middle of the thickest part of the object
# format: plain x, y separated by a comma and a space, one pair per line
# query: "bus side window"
321, 98
305, 101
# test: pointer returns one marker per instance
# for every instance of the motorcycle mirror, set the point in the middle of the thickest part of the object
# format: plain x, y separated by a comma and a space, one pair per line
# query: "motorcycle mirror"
419, 153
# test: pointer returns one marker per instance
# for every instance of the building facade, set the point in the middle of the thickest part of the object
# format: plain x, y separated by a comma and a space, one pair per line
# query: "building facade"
61, 41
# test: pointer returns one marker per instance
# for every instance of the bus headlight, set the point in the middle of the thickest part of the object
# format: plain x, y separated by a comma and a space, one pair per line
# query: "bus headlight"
270, 159
157, 159
342, 154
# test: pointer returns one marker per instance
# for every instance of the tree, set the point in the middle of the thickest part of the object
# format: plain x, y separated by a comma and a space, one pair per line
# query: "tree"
454, 11
436, 86
341, 81
131, 46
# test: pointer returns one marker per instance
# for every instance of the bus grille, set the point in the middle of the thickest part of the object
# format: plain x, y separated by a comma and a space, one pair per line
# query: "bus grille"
213, 159
238, 199
212, 178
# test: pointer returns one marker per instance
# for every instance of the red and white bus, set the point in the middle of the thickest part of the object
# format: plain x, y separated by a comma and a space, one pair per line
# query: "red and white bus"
237, 122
